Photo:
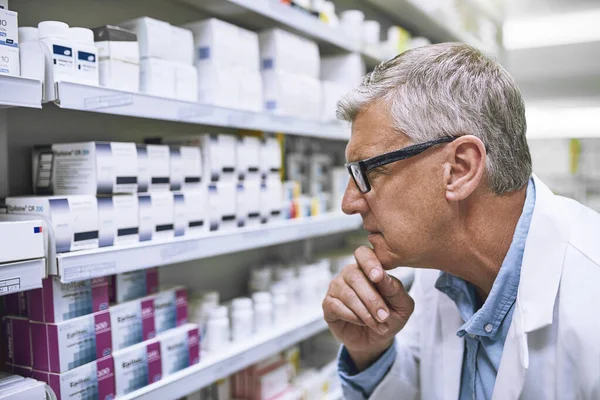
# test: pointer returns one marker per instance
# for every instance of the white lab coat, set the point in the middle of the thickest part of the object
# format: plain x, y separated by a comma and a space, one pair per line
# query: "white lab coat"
552, 351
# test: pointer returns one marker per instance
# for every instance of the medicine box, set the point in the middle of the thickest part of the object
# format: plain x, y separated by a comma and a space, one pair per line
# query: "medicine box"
94, 380
182, 46
118, 221
18, 341
215, 41
145, 217
271, 201
219, 153
154, 37
157, 77
137, 366
163, 215
219, 85
179, 348
132, 285
291, 94
58, 302
186, 167
3, 4
270, 158
85, 168
250, 90
19, 370
191, 209
67, 345
186, 81
222, 206
154, 166
248, 151
22, 238
9, 43
248, 203
118, 58
283, 51
170, 308
15, 304
331, 93
26, 389
74, 219
132, 322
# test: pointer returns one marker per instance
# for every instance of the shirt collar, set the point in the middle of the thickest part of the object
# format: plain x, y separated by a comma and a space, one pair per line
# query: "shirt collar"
487, 320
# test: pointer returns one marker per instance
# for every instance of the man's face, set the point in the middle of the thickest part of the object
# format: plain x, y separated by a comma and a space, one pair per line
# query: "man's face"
405, 212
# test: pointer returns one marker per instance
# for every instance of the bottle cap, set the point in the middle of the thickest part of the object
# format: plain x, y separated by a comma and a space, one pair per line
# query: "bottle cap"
53, 29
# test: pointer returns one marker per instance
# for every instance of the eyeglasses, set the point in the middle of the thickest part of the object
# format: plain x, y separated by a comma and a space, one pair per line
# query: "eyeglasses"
359, 169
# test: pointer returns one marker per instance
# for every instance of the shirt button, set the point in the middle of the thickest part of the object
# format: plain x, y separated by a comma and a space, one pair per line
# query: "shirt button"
488, 328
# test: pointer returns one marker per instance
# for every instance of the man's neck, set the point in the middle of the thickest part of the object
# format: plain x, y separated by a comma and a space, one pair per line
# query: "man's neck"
481, 238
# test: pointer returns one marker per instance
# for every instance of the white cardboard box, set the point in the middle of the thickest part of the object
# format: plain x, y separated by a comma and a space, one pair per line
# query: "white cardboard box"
118, 220
154, 37
248, 153
21, 240
218, 85
186, 167
248, 203
154, 168
215, 41
186, 82
137, 366
179, 348
283, 51
132, 322
85, 168
331, 93
163, 215
182, 46
191, 209
222, 203
157, 77
74, 219
289, 94
9, 43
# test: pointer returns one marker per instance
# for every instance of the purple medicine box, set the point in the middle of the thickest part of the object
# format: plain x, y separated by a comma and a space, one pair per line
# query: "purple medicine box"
18, 341
67, 345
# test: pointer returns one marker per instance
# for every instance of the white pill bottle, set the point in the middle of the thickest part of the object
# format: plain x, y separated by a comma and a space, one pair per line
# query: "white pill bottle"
86, 56
31, 54
58, 53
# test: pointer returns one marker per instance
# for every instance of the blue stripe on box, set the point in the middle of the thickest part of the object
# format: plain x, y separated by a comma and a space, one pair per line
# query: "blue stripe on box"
204, 53
268, 63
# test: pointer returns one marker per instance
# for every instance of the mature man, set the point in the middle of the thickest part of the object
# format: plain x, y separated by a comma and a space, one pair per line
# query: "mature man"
442, 179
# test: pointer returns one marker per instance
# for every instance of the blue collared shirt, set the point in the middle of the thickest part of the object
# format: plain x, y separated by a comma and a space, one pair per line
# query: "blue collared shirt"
484, 330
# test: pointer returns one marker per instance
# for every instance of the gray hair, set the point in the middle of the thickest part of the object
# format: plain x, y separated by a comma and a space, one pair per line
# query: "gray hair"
452, 89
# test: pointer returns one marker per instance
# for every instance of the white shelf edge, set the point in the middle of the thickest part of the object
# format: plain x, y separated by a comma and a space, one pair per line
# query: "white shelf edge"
21, 276
87, 264
232, 360
97, 99
20, 92
287, 17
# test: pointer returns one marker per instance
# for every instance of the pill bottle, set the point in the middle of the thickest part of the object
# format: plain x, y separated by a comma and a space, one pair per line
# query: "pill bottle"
242, 319
58, 55
31, 54
86, 56
217, 329
263, 311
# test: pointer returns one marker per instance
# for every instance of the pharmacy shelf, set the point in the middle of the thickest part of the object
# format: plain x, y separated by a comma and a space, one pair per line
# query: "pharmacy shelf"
74, 96
21, 276
233, 359
106, 261
412, 17
20, 92
263, 14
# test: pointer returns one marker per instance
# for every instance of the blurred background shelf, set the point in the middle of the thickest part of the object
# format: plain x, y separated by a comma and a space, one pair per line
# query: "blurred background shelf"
96, 99
20, 92
237, 357
106, 261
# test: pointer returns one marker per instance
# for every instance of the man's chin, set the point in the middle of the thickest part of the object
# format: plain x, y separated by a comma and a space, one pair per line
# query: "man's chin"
382, 251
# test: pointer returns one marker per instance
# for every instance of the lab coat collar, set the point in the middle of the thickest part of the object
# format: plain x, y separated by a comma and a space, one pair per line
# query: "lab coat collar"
542, 261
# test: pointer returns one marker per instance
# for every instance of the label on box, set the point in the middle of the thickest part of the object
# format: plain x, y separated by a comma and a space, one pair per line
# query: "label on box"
132, 323
137, 367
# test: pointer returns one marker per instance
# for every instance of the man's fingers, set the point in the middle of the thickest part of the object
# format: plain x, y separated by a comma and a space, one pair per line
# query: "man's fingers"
351, 300
394, 293
367, 293
369, 263
335, 310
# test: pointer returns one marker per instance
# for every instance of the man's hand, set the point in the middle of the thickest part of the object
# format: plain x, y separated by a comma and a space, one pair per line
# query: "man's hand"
365, 308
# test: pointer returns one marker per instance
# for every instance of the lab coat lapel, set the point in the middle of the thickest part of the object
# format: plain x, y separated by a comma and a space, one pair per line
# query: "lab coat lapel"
452, 346
538, 287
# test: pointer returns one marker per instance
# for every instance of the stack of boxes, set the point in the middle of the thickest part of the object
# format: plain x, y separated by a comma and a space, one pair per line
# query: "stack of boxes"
227, 58
290, 72
99, 194
166, 59
339, 74
70, 337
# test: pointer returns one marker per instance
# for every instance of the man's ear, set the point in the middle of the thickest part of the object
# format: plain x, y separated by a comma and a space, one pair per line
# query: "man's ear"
464, 168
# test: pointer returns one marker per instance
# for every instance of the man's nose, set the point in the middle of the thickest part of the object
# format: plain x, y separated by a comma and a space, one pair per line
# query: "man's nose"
353, 202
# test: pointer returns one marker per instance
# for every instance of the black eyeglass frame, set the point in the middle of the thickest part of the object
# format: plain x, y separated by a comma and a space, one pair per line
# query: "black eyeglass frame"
364, 166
